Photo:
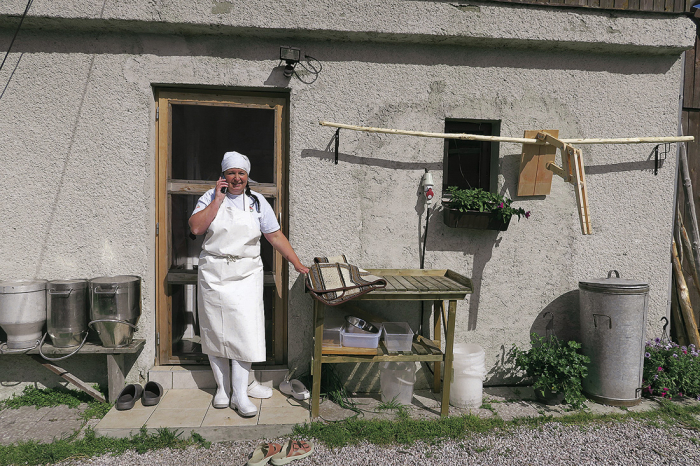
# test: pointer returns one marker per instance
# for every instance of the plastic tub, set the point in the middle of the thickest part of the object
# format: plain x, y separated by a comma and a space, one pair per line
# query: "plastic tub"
398, 336
469, 370
356, 338
331, 337
396, 380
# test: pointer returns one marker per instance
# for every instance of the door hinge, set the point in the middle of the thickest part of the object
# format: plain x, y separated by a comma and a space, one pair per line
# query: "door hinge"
157, 228
157, 338
157, 113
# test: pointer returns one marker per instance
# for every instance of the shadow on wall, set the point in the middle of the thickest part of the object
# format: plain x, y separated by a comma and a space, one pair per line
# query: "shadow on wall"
559, 318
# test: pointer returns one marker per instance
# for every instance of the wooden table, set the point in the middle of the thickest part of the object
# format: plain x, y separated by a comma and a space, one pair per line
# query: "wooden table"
115, 365
405, 285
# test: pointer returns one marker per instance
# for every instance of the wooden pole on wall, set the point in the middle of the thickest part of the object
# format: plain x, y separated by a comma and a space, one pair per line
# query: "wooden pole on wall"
684, 299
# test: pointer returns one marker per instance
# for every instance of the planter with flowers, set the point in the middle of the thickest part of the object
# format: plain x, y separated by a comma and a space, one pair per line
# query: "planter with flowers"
671, 370
479, 210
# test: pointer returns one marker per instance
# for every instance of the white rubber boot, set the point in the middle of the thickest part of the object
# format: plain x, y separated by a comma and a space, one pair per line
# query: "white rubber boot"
239, 388
221, 367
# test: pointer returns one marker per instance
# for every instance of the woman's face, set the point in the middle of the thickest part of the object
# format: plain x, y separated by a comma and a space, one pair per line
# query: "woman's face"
237, 179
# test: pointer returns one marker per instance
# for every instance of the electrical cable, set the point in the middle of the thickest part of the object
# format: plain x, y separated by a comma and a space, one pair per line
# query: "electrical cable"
26, 10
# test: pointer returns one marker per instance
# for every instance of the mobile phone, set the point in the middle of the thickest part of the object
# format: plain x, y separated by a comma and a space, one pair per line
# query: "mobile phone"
224, 189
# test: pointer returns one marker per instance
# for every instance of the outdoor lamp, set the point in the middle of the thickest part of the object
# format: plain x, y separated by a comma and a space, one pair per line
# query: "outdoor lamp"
291, 55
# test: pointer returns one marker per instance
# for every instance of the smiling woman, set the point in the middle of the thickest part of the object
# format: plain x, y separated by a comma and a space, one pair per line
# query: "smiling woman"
230, 281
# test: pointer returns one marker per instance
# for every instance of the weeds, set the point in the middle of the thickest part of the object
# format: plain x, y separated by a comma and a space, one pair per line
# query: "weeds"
49, 397
33, 453
406, 431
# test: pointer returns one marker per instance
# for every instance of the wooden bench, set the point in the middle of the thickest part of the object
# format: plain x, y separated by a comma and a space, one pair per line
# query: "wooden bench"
115, 365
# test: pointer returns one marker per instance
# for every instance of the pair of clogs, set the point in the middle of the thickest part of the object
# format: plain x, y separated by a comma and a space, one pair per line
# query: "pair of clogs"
150, 395
280, 454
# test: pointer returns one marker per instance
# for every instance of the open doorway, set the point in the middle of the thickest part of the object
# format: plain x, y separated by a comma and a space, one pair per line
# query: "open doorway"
194, 130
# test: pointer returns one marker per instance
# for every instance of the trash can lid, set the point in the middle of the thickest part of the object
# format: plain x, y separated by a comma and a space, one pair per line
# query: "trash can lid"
22, 286
614, 284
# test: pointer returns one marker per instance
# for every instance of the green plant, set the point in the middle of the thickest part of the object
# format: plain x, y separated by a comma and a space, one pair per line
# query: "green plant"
671, 370
48, 397
477, 199
555, 366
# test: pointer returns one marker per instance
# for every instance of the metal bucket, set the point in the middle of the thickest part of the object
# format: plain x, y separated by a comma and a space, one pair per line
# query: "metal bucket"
23, 312
115, 308
67, 312
613, 323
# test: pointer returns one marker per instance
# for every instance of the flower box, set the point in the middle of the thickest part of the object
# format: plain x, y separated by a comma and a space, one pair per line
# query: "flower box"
474, 220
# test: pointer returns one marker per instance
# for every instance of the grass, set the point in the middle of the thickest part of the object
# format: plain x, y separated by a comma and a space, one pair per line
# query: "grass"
49, 397
407, 431
33, 453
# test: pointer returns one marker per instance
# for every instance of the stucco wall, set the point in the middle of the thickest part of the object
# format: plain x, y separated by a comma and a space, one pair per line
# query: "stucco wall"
77, 136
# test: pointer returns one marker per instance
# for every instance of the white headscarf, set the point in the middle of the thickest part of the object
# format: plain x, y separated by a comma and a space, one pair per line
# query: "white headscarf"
235, 160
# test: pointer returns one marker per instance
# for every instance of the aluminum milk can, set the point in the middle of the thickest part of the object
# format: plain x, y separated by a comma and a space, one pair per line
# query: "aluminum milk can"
23, 312
115, 308
613, 315
67, 311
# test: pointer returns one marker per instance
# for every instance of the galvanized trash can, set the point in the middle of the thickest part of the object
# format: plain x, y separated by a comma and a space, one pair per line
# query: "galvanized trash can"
67, 312
115, 308
613, 323
22, 312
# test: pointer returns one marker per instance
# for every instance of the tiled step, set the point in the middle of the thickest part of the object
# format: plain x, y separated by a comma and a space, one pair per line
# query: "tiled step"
181, 377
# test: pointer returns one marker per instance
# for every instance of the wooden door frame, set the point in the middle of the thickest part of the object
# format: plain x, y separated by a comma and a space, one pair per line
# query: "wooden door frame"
164, 98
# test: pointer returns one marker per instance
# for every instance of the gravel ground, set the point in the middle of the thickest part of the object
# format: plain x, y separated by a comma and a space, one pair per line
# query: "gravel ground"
623, 443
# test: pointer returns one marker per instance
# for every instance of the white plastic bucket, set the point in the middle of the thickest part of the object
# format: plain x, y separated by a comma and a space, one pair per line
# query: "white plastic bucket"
468, 372
396, 380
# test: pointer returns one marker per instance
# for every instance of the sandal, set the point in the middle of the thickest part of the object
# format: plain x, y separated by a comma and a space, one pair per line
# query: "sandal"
263, 453
293, 450
294, 388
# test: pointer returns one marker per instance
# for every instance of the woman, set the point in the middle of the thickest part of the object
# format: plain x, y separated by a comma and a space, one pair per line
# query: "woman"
230, 277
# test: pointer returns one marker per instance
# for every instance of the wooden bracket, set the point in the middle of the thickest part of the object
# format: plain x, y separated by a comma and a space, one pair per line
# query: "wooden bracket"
571, 171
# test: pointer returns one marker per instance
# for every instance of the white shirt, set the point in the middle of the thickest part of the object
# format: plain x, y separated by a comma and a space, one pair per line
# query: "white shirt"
266, 216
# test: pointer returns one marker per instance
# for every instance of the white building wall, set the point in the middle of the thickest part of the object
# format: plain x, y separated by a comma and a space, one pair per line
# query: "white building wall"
77, 132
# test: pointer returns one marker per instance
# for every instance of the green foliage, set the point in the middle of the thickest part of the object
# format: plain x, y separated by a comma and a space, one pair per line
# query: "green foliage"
34, 453
353, 431
671, 370
483, 201
49, 397
555, 366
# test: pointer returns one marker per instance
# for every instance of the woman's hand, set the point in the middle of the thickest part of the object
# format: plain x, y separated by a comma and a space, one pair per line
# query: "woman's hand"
221, 185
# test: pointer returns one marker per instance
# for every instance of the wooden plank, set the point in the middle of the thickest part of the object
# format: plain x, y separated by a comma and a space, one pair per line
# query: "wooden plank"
438, 284
634, 4
437, 340
415, 282
405, 283
348, 350
461, 279
319, 314
695, 101
449, 356
392, 284
199, 187
379, 295
428, 282
407, 272
163, 352
70, 378
658, 5
115, 376
450, 284
581, 192
689, 77
89, 348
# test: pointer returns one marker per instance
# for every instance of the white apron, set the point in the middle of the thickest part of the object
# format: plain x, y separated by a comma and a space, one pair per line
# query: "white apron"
230, 278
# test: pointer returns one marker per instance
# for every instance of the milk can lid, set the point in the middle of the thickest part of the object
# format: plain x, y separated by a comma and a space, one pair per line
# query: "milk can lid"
22, 286
117, 280
612, 284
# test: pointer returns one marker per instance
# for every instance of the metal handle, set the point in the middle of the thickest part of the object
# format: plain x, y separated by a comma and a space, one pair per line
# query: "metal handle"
617, 274
61, 293
62, 357
113, 291
595, 321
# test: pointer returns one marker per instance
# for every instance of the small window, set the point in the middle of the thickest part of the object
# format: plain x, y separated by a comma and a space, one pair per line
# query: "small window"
471, 164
